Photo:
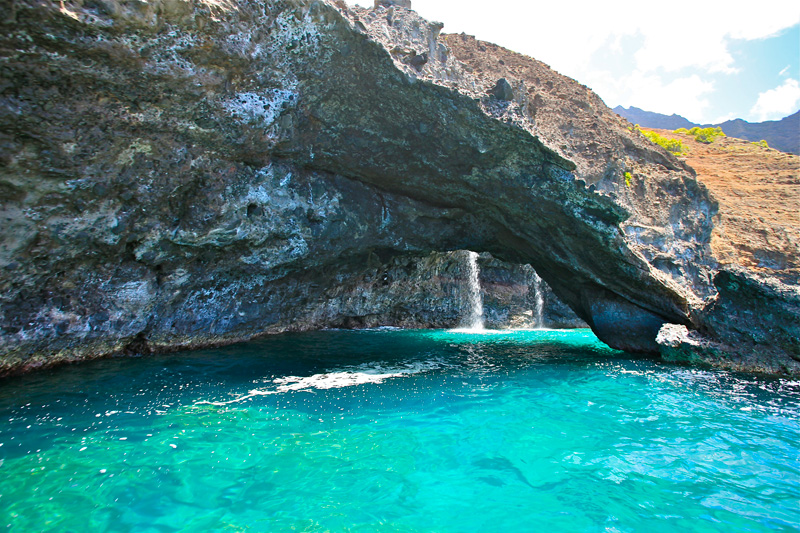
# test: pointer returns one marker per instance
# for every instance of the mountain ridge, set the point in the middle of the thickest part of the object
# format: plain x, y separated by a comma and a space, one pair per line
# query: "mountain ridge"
783, 134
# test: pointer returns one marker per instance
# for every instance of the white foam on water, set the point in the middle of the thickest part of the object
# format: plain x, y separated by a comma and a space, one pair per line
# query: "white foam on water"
510, 331
481, 331
374, 373
545, 329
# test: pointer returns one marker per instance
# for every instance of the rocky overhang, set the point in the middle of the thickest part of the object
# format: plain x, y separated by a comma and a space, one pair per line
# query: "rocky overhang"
177, 174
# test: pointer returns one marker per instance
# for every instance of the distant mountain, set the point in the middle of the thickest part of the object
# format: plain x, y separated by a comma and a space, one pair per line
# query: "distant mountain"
781, 134
648, 119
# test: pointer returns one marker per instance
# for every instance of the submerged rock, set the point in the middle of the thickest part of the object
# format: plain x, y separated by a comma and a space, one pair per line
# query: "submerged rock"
180, 174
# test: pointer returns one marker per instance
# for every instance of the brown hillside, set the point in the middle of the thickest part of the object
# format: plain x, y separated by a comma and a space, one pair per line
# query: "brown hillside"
758, 190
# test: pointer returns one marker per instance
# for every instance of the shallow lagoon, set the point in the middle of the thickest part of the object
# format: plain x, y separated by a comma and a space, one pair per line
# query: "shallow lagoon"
399, 431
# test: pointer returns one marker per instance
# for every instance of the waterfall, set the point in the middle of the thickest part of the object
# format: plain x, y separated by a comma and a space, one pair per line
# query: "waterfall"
474, 320
539, 295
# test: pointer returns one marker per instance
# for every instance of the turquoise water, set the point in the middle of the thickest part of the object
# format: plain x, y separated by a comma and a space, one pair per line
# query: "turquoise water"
399, 431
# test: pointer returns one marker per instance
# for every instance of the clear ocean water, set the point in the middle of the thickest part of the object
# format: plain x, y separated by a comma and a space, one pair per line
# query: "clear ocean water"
429, 431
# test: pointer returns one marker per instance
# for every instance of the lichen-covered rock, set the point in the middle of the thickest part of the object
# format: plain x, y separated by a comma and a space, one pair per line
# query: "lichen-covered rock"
184, 173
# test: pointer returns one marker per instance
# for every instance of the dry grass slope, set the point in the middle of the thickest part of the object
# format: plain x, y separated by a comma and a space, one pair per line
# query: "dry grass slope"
758, 190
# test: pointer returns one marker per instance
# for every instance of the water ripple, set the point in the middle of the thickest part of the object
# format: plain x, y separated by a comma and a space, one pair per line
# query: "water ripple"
400, 431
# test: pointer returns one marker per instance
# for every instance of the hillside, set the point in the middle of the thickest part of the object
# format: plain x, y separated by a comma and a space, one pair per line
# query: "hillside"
224, 181
783, 135
758, 190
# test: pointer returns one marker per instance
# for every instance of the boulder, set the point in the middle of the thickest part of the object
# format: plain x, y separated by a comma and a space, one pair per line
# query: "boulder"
502, 90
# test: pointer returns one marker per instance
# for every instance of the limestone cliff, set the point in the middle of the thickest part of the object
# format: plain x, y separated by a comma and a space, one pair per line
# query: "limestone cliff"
184, 173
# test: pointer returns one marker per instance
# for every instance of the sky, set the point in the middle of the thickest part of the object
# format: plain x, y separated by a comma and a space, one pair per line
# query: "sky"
706, 60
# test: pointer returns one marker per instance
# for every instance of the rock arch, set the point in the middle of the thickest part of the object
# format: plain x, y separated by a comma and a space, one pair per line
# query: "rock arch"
184, 174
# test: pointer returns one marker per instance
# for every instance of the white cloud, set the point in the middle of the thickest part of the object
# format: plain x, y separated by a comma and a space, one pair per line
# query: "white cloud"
778, 102
566, 35
704, 51
686, 96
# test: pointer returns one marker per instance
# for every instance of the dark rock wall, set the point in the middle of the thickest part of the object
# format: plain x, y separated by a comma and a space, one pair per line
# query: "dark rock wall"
759, 316
433, 291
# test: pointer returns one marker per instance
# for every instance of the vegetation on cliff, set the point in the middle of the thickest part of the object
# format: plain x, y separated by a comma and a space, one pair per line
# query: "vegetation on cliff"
783, 135
702, 135
671, 145
758, 190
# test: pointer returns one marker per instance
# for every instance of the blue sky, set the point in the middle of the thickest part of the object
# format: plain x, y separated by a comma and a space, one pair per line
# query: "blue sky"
706, 60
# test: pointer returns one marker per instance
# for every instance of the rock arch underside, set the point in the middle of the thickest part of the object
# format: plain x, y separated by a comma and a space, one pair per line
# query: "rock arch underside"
178, 174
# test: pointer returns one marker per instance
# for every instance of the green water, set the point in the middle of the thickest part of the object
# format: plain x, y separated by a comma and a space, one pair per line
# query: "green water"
399, 431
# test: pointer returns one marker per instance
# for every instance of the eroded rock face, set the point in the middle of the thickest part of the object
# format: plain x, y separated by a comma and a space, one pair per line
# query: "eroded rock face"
433, 291
752, 324
179, 174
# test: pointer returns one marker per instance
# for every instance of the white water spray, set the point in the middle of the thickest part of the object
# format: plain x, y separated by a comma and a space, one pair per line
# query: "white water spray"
474, 320
539, 295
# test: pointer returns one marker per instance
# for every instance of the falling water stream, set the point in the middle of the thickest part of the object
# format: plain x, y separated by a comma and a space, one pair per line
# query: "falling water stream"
539, 309
474, 320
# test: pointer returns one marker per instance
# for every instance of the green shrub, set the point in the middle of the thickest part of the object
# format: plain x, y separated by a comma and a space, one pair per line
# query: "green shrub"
707, 135
762, 143
673, 145
703, 135
704, 138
